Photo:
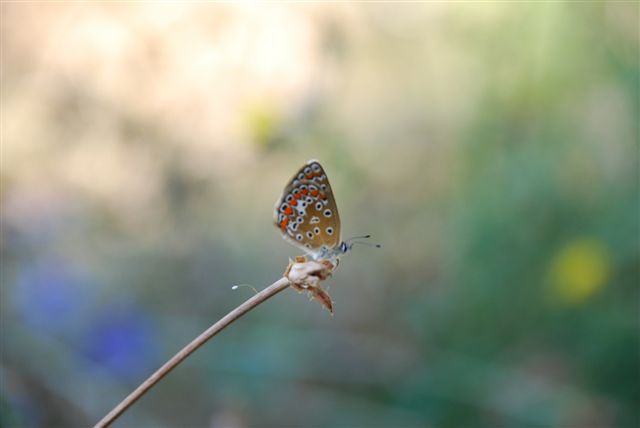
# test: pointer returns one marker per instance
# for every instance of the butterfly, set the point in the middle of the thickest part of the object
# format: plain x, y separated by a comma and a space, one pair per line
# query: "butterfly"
307, 215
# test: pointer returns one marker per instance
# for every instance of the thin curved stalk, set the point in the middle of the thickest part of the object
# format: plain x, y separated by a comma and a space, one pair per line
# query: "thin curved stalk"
145, 386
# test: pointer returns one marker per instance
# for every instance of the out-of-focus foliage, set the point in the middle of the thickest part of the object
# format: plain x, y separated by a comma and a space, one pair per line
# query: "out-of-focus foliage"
491, 147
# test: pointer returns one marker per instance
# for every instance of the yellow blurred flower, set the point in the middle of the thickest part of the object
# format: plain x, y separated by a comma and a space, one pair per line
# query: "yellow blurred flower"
263, 123
579, 270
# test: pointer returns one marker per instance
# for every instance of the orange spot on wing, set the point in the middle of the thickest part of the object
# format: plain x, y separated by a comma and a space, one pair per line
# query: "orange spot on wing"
293, 202
283, 224
288, 211
314, 193
305, 191
297, 195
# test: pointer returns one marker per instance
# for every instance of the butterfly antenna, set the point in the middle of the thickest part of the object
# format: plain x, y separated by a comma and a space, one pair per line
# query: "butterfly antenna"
367, 244
352, 241
358, 237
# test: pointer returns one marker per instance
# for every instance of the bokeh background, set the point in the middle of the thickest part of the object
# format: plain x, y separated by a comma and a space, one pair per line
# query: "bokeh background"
492, 148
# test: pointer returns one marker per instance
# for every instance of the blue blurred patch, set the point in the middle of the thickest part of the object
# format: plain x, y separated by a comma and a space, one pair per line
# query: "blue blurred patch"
52, 298
123, 342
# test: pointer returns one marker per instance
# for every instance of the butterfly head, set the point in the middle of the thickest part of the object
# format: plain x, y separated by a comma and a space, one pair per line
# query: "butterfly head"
346, 246
331, 254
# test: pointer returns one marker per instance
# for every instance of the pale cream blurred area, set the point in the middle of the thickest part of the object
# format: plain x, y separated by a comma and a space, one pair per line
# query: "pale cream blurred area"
490, 147
99, 98
91, 74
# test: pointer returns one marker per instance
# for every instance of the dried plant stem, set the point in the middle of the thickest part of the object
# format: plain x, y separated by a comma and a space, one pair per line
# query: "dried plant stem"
254, 301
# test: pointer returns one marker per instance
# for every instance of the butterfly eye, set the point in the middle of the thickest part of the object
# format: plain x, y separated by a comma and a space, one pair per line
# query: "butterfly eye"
294, 226
315, 167
329, 230
309, 235
309, 199
300, 176
318, 206
300, 219
327, 212
299, 237
307, 171
307, 246
288, 198
323, 186
316, 230
317, 179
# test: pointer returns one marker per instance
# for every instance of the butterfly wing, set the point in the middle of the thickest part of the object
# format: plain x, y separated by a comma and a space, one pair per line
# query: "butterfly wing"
306, 214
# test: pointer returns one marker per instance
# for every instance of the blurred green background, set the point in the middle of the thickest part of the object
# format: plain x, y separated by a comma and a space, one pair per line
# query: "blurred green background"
492, 148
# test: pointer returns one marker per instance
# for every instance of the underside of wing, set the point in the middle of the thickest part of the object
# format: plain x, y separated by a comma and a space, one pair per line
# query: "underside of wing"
306, 214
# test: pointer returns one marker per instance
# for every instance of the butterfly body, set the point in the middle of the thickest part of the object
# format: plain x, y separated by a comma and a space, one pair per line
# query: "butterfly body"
307, 216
